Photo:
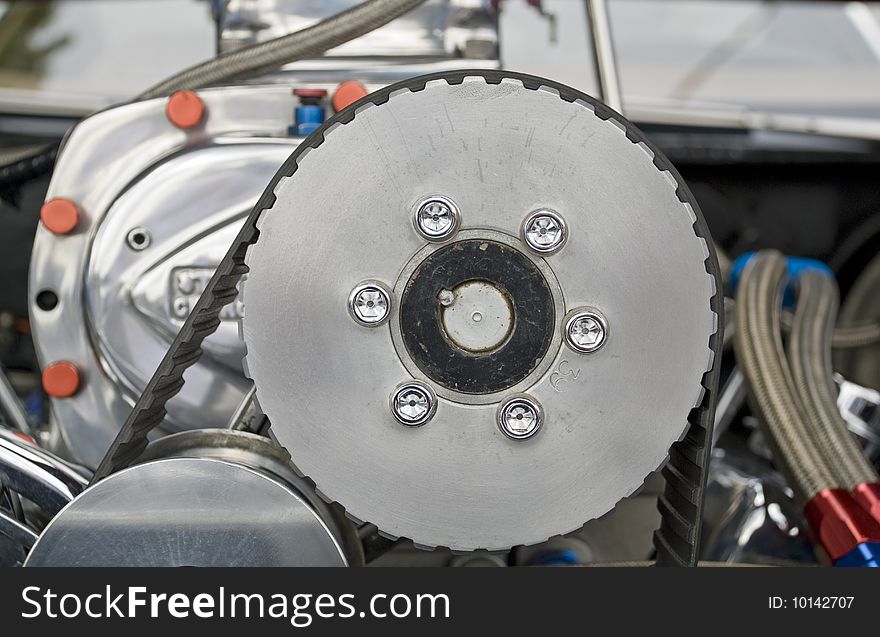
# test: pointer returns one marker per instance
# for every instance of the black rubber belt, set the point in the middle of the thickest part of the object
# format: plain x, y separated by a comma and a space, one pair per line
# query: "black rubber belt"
681, 504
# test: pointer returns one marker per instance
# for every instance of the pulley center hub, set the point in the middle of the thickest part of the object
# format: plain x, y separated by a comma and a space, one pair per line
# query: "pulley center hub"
477, 316
492, 331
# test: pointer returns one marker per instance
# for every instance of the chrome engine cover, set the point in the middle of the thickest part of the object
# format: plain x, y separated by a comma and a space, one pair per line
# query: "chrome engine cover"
132, 174
342, 213
120, 302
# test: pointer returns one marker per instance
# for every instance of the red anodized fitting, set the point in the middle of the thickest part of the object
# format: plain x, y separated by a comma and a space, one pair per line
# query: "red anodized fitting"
839, 522
868, 495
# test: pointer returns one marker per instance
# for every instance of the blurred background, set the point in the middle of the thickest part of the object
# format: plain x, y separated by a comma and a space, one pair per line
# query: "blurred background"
71, 57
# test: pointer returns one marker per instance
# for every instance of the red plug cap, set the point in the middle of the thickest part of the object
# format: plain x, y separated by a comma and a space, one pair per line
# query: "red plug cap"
61, 379
59, 215
347, 93
185, 109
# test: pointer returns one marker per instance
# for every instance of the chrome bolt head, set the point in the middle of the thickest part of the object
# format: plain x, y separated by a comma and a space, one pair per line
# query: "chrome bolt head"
544, 231
437, 218
413, 404
585, 330
520, 417
370, 304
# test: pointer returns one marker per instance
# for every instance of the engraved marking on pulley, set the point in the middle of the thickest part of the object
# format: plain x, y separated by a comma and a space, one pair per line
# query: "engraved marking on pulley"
563, 374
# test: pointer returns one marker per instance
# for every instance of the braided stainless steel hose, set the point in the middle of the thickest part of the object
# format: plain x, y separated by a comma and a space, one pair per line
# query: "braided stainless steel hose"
761, 356
861, 306
809, 352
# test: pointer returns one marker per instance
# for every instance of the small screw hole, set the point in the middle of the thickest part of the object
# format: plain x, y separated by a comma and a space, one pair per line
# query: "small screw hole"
138, 239
47, 300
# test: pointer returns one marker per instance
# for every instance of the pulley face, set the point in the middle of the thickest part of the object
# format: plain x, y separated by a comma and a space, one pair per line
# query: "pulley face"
524, 430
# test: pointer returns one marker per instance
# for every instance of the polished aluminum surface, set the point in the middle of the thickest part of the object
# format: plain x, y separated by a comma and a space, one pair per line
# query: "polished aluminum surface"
413, 404
586, 330
750, 515
520, 418
11, 407
544, 231
860, 408
15, 532
436, 29
187, 512
120, 304
263, 455
37, 475
43, 479
603, 442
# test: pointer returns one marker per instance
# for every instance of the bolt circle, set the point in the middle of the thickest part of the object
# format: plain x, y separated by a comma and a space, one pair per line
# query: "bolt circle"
138, 239
544, 231
370, 303
520, 417
436, 218
413, 404
585, 330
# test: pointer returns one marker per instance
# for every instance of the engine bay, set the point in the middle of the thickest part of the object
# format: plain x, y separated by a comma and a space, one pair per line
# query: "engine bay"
352, 293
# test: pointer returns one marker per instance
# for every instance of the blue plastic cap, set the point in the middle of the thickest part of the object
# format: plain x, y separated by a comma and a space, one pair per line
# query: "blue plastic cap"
564, 557
796, 266
865, 555
738, 267
307, 119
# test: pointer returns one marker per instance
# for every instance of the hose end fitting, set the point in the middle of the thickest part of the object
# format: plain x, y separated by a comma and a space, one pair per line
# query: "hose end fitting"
309, 115
795, 265
841, 525
865, 555
564, 557
867, 494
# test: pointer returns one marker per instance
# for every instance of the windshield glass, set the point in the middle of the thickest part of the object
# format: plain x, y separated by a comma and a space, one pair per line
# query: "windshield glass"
81, 55
793, 57
75, 56
770, 56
